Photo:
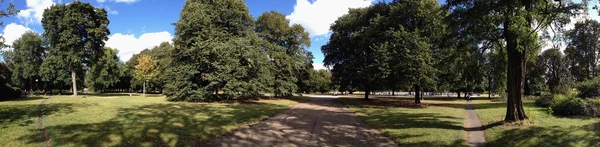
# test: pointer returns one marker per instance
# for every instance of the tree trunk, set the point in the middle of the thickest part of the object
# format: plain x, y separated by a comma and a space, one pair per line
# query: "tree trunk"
458, 93
417, 94
489, 88
30, 86
393, 93
367, 94
73, 79
516, 74
144, 90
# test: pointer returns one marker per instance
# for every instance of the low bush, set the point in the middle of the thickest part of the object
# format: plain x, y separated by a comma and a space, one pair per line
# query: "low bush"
572, 107
544, 101
569, 105
589, 88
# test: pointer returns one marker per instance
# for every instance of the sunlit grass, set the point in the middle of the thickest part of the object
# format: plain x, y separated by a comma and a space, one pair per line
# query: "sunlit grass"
123, 120
409, 126
545, 129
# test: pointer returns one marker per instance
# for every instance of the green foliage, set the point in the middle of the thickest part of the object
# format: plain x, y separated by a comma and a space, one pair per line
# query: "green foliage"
286, 46
106, 72
569, 105
589, 88
544, 100
54, 73
26, 58
386, 46
583, 49
216, 50
320, 81
75, 33
162, 56
7, 90
572, 107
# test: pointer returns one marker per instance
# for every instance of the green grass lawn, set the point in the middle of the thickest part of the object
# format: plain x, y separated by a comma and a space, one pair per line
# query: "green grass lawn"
545, 130
121, 120
441, 124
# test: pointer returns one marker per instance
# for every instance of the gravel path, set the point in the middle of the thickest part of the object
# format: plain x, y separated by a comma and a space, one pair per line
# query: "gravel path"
318, 121
474, 128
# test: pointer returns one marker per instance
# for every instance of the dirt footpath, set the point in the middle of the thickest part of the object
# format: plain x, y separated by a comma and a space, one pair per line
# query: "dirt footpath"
318, 121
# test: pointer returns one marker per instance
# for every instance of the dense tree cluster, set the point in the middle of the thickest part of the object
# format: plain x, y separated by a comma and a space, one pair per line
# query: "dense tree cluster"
223, 53
462, 46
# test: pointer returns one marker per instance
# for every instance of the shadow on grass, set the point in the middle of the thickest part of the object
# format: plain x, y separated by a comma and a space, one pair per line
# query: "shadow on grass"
385, 118
22, 114
157, 125
24, 99
588, 135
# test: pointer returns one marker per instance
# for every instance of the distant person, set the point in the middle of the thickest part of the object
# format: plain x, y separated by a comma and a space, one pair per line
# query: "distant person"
469, 96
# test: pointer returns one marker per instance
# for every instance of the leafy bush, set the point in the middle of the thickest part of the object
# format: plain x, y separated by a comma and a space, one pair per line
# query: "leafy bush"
569, 105
589, 88
544, 101
594, 106
572, 107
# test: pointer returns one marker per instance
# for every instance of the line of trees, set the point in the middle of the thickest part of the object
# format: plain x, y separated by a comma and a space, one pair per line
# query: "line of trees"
462, 46
219, 52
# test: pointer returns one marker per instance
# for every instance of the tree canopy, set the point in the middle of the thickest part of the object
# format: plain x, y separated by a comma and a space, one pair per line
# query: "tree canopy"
75, 33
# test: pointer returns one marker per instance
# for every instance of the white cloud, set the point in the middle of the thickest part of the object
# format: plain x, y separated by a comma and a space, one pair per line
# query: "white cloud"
318, 66
128, 45
114, 12
118, 1
317, 17
13, 32
34, 11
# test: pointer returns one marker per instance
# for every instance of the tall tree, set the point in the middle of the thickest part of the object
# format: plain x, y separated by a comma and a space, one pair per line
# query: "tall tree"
353, 50
517, 23
106, 72
555, 70
76, 33
215, 50
145, 70
285, 46
26, 59
583, 50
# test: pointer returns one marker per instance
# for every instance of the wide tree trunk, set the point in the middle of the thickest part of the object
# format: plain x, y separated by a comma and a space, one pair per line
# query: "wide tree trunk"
516, 75
417, 94
73, 79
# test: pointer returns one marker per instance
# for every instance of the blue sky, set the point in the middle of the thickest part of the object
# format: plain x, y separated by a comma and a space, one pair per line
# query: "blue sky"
139, 24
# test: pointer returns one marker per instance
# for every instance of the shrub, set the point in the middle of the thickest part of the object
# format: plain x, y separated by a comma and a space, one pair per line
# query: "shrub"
544, 101
571, 107
589, 88
594, 106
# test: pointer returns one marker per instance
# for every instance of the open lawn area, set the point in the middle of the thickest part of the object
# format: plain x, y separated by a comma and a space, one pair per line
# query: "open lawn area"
412, 125
545, 130
123, 120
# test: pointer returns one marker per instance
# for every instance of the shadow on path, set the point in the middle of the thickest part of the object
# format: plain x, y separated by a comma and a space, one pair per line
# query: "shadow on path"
315, 122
